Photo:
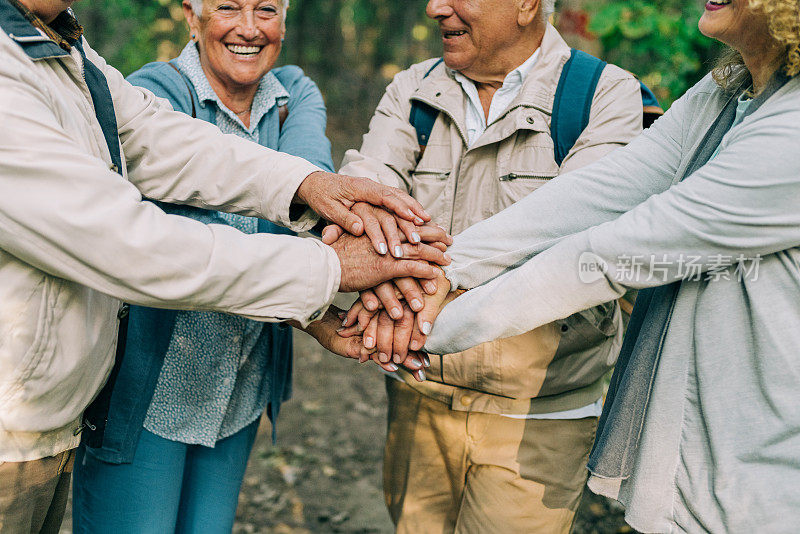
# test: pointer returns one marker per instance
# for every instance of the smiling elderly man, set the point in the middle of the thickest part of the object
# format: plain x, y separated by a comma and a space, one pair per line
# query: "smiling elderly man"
497, 439
79, 147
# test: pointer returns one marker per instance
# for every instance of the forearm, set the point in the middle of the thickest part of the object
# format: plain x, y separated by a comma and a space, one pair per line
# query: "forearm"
177, 159
716, 224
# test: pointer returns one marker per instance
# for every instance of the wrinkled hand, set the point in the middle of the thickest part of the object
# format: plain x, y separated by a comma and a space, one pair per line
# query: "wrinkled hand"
388, 231
397, 337
362, 267
324, 331
333, 196
389, 294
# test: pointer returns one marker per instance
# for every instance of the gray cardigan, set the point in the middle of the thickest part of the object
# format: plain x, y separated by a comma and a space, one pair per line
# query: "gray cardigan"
720, 447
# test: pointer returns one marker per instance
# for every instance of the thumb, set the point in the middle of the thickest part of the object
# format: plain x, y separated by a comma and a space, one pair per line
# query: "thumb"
331, 233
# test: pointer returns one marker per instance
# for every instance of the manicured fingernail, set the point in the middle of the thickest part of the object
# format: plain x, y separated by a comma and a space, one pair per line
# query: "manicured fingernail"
391, 367
344, 322
448, 258
430, 287
382, 248
415, 345
398, 251
369, 342
415, 237
426, 328
411, 212
396, 358
416, 304
340, 329
421, 375
415, 362
395, 313
426, 361
370, 305
357, 228
383, 357
419, 221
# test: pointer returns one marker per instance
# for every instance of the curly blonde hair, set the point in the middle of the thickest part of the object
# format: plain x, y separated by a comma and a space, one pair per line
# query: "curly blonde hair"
783, 20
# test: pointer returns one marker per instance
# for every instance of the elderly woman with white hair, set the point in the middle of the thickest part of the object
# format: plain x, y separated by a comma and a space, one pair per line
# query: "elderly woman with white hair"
188, 398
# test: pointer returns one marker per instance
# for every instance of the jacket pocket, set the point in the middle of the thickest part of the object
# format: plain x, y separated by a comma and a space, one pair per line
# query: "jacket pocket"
429, 187
32, 333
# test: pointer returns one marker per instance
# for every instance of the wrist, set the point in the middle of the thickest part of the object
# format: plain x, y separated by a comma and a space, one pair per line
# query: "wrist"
306, 186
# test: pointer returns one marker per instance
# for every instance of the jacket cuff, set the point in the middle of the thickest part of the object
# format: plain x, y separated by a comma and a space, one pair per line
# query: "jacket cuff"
296, 217
323, 284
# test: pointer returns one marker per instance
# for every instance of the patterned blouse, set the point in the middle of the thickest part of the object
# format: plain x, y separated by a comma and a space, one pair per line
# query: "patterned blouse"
213, 383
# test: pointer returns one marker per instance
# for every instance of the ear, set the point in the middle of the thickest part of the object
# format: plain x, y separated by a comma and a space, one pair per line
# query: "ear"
191, 18
529, 12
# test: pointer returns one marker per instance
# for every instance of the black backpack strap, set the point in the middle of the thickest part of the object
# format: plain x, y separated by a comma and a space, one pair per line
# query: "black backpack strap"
423, 116
573, 101
188, 87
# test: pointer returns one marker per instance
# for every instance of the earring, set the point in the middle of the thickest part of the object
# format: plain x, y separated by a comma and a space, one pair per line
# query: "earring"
193, 37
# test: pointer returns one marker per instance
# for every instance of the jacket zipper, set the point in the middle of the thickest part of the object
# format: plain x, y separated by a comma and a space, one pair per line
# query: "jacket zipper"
514, 176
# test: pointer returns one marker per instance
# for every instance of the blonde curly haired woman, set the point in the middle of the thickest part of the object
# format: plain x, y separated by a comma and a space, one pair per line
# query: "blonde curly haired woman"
701, 428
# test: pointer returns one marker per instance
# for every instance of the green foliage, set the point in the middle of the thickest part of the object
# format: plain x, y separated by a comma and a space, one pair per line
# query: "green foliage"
130, 33
659, 42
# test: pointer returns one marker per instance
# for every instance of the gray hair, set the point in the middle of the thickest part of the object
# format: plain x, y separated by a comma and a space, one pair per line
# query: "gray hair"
197, 6
548, 7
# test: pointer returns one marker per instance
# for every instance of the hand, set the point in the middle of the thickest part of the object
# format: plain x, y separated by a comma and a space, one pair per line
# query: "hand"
333, 195
384, 229
397, 337
324, 331
362, 267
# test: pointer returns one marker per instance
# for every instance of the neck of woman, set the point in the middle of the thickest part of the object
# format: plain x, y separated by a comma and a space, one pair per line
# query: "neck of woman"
763, 64
237, 98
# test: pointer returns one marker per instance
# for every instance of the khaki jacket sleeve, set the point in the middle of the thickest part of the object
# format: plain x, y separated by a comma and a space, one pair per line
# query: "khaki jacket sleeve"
177, 159
389, 151
64, 212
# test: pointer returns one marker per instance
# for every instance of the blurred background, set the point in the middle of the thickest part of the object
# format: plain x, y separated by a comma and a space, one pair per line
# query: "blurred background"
324, 473
352, 48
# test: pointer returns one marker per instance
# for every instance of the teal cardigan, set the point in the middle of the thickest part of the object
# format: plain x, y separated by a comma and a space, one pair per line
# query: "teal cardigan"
149, 330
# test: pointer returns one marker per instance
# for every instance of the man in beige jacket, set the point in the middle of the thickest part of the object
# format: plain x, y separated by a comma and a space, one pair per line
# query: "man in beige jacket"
497, 439
79, 147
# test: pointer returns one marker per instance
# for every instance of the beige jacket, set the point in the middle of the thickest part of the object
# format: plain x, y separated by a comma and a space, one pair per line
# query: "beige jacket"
76, 238
558, 366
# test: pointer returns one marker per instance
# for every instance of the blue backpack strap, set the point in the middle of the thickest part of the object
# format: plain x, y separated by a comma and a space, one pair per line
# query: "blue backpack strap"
422, 115
650, 107
573, 100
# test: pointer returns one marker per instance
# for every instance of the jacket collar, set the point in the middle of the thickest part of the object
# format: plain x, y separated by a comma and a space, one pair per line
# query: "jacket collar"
32, 41
441, 90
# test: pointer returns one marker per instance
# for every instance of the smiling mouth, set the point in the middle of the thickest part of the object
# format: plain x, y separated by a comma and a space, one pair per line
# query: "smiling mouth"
247, 51
719, 2
450, 34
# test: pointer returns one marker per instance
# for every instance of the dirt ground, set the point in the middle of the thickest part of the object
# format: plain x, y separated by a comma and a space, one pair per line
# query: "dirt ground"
324, 474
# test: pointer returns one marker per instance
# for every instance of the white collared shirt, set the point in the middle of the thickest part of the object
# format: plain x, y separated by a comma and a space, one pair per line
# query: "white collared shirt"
476, 122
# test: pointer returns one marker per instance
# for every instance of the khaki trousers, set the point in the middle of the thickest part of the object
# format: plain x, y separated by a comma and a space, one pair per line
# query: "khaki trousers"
472, 473
33, 495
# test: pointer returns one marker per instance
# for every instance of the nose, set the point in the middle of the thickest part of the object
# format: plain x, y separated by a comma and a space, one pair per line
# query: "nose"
247, 28
439, 9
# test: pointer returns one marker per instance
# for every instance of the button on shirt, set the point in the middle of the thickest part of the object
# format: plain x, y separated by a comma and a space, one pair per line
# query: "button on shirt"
476, 123
213, 383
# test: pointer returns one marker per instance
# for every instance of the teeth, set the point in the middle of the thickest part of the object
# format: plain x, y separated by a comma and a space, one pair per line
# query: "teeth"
238, 49
719, 2
454, 33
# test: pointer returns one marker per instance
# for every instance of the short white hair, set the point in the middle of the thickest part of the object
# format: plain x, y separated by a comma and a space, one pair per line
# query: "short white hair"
197, 6
548, 7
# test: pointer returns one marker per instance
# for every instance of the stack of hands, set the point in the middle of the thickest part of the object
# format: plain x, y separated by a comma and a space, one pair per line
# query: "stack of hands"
392, 254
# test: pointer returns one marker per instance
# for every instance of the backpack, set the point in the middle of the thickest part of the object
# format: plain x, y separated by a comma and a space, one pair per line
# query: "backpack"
571, 105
